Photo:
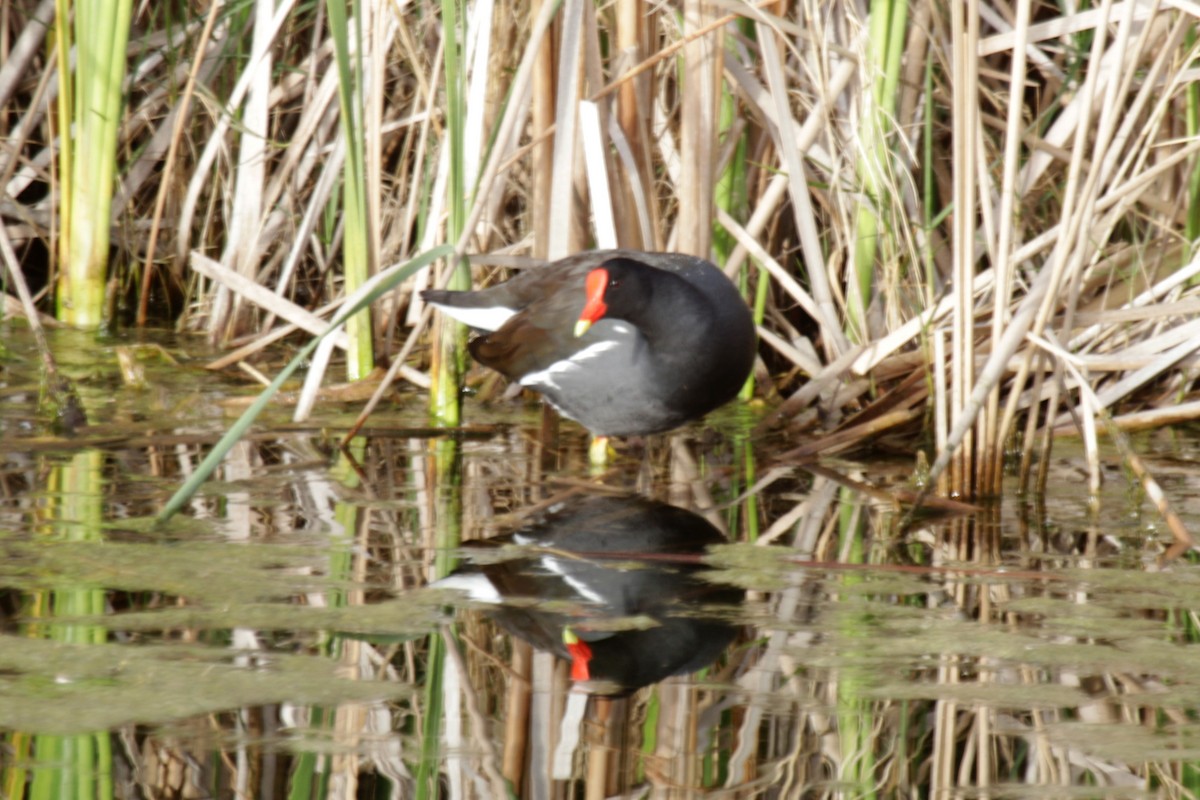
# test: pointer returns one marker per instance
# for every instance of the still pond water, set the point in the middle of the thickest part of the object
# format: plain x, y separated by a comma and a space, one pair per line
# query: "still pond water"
280, 637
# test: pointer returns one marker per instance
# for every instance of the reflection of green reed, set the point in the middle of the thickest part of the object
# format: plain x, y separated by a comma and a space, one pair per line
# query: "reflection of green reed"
855, 712
307, 779
347, 515
741, 515
79, 765
310, 778
428, 768
1189, 630
447, 504
743, 448
447, 520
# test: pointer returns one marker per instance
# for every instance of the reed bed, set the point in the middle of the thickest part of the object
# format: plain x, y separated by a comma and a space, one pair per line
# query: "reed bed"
967, 228
949, 219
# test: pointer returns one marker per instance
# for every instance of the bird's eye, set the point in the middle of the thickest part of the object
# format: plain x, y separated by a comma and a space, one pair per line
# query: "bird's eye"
614, 283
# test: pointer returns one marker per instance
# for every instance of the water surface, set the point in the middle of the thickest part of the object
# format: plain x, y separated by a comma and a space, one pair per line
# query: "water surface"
278, 639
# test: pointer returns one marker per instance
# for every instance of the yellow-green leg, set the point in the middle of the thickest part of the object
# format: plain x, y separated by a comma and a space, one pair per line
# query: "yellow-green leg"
599, 451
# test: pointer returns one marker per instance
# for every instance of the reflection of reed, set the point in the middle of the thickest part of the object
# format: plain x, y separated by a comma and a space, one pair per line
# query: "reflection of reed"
1028, 647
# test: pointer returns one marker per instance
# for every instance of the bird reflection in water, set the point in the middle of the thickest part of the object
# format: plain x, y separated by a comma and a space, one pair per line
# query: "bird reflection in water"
613, 585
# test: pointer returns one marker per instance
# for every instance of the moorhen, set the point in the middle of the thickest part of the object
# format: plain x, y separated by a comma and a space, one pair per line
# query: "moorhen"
581, 591
624, 342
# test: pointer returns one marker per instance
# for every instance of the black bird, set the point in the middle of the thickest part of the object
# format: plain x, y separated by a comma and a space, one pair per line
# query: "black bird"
624, 342
601, 559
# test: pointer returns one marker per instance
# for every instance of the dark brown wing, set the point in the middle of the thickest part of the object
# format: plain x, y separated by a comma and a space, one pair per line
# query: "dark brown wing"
534, 339
550, 300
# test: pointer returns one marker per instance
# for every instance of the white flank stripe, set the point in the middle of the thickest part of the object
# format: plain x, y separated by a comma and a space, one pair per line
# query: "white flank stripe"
545, 377
484, 319
581, 587
477, 587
